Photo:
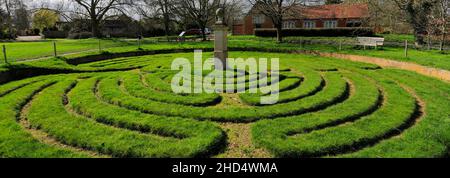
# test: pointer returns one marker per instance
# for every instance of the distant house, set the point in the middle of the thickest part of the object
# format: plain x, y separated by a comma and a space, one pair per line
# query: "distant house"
118, 28
121, 27
323, 16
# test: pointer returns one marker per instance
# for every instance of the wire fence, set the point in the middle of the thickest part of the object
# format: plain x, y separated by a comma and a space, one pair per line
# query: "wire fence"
13, 52
354, 42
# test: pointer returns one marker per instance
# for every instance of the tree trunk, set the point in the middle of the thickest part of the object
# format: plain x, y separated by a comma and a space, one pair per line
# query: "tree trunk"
96, 28
166, 26
279, 34
203, 34
429, 42
9, 20
442, 44
420, 40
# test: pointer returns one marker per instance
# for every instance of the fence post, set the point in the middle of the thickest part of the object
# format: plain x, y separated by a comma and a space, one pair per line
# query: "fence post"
406, 48
54, 49
99, 45
139, 42
4, 54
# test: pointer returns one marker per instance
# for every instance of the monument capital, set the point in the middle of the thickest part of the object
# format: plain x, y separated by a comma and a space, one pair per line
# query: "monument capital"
220, 16
220, 38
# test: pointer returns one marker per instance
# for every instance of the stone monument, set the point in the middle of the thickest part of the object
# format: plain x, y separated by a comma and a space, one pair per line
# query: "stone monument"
220, 38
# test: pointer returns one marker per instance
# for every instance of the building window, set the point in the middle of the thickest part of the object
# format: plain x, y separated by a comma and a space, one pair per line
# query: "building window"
354, 23
330, 24
258, 19
309, 24
289, 25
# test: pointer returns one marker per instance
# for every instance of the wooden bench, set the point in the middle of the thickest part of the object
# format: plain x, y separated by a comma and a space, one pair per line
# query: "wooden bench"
370, 41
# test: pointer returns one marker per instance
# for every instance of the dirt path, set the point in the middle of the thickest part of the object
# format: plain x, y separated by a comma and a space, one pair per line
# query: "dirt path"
240, 143
29, 38
231, 100
428, 71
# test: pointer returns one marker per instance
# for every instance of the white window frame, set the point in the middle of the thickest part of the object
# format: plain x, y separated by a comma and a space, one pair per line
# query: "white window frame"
309, 24
258, 19
353, 22
330, 24
289, 24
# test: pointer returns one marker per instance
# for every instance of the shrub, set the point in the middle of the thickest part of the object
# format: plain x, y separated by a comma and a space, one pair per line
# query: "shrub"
80, 35
329, 32
55, 34
124, 35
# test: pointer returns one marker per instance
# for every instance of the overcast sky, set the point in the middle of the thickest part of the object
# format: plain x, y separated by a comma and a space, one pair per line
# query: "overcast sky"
52, 4
36, 2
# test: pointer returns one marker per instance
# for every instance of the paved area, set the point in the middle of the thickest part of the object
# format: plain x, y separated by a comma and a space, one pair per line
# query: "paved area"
29, 38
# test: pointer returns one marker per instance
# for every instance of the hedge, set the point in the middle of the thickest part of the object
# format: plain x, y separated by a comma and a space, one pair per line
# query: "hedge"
55, 34
328, 32
81, 35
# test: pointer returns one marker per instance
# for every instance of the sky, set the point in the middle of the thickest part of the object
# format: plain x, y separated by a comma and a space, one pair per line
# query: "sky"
52, 4
36, 2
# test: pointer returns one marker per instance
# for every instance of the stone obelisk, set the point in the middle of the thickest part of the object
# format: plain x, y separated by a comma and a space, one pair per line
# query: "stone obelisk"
220, 38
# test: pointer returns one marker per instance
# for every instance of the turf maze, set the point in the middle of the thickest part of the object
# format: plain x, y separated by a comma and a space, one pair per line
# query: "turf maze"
327, 108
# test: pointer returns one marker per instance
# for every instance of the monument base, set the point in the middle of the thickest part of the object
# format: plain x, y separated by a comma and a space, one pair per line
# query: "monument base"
222, 56
220, 44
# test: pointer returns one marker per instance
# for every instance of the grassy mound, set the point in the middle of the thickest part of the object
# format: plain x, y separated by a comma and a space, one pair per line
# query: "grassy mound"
125, 107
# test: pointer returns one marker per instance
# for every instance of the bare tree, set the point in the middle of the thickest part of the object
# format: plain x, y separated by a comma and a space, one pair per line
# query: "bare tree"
21, 17
200, 11
11, 6
443, 14
96, 10
62, 8
234, 9
161, 9
417, 15
276, 10
8, 4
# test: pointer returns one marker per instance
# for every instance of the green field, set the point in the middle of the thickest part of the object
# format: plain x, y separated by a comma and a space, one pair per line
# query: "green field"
18, 51
124, 107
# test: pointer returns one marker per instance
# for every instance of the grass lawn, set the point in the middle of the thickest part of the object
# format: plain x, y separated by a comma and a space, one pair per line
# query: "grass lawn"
426, 58
432, 58
15, 50
29, 50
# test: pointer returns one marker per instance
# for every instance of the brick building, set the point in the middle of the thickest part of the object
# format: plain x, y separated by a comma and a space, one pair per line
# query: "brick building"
323, 16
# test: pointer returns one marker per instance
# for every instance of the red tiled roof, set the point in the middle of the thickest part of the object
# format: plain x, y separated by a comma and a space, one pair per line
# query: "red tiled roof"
334, 11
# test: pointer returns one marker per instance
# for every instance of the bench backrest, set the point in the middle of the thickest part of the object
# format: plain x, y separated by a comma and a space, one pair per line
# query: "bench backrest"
370, 41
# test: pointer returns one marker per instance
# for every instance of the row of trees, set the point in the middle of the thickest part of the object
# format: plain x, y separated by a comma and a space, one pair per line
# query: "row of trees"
425, 17
13, 17
16, 18
200, 12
